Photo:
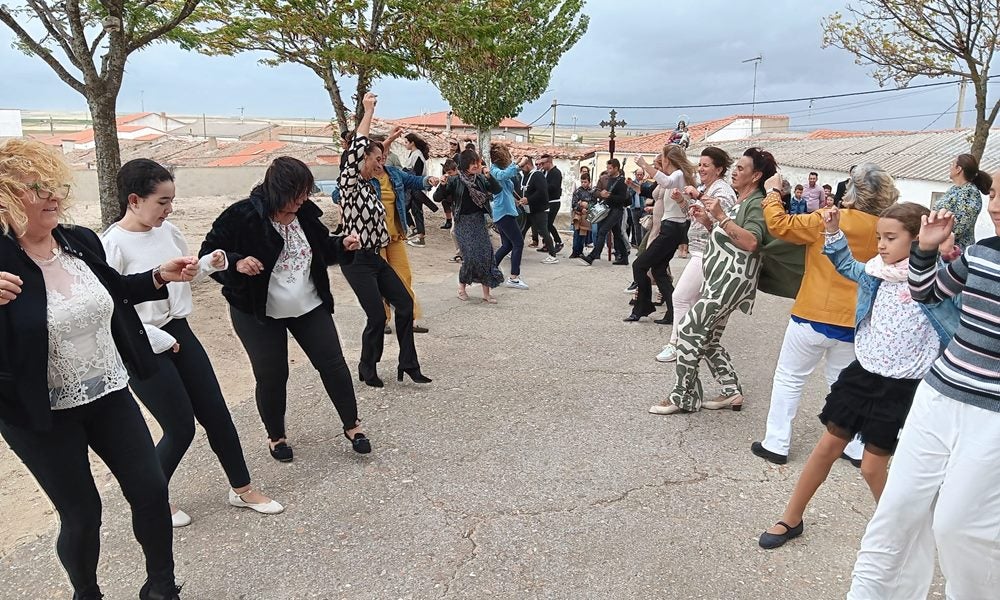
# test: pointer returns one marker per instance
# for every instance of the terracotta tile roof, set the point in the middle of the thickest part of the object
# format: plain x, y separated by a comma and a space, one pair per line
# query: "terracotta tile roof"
439, 120
653, 143
247, 154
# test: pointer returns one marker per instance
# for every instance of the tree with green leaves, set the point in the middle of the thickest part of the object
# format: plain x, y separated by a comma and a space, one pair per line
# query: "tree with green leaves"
366, 39
490, 72
904, 39
87, 45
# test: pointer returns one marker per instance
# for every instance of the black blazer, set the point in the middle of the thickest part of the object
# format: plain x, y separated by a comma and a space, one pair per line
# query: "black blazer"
619, 197
553, 183
24, 336
838, 198
244, 230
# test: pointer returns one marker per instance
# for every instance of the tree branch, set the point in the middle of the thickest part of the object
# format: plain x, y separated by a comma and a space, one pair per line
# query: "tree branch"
183, 13
44, 14
41, 51
78, 41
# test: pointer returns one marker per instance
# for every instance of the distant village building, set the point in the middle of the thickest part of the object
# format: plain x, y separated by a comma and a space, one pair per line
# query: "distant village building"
448, 123
10, 123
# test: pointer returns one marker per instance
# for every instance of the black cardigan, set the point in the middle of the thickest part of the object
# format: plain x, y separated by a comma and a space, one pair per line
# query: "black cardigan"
244, 230
533, 187
24, 337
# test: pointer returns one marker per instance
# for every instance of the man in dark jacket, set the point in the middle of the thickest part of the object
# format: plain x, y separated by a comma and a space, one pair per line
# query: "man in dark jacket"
532, 193
838, 198
616, 196
553, 183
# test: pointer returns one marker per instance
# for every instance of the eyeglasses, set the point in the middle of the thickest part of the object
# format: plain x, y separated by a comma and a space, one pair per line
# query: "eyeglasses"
44, 193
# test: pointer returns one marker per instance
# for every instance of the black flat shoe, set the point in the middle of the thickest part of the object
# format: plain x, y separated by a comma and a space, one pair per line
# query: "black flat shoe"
632, 318
419, 329
414, 374
387, 330
359, 443
772, 457
94, 594
770, 541
854, 461
281, 452
620, 262
149, 591
666, 320
372, 381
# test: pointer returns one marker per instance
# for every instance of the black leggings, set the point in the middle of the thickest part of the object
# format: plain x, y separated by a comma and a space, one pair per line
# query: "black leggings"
539, 224
114, 428
656, 260
554, 207
185, 388
373, 279
267, 346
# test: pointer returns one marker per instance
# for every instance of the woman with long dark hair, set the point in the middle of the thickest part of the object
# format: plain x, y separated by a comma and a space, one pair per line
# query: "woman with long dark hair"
184, 387
276, 283
370, 276
964, 199
416, 164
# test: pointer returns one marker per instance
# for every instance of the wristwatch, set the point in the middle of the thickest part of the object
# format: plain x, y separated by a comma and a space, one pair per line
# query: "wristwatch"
158, 278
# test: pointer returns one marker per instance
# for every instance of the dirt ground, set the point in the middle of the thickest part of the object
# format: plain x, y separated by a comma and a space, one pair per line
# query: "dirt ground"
26, 511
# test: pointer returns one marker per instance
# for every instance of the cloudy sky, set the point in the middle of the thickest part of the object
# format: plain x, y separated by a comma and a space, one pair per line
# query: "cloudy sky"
658, 54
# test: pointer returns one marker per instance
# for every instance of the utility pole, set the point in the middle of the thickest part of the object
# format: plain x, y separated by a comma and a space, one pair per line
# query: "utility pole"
574, 124
242, 108
142, 100
555, 103
753, 106
961, 104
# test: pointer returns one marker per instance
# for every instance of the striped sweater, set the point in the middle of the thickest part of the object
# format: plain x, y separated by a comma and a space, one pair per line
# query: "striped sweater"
969, 369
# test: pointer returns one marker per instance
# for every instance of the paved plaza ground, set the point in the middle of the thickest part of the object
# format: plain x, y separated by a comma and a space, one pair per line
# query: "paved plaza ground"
529, 468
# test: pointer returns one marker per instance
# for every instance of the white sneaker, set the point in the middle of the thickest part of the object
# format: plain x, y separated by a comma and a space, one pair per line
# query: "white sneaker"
517, 284
180, 519
669, 354
550, 260
268, 508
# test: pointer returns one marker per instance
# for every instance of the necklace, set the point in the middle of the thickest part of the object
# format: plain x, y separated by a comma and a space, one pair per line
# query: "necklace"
45, 260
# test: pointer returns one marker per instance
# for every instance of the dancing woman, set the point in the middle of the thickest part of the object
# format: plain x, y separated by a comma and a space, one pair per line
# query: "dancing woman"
184, 387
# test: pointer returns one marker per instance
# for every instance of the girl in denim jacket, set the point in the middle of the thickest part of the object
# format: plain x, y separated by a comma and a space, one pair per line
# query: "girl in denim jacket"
897, 341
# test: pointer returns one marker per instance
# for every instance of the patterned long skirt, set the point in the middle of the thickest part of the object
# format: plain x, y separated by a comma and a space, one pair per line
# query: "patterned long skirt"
478, 265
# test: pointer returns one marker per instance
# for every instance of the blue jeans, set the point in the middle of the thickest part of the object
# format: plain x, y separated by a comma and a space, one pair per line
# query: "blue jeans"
513, 243
579, 240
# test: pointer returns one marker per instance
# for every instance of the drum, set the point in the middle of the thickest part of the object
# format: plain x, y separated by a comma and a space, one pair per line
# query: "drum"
597, 212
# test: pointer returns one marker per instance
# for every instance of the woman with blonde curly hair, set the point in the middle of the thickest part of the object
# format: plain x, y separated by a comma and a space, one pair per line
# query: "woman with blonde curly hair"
67, 329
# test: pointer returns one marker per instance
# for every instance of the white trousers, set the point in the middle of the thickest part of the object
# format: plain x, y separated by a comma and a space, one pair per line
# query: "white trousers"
943, 487
687, 291
801, 352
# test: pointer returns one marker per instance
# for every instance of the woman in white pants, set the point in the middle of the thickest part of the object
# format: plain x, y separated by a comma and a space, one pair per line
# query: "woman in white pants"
944, 484
712, 167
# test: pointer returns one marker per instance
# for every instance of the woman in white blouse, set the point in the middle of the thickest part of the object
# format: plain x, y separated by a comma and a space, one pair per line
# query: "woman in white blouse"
185, 387
276, 283
67, 330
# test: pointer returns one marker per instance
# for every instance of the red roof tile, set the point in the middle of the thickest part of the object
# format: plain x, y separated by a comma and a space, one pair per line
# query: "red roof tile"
247, 154
440, 120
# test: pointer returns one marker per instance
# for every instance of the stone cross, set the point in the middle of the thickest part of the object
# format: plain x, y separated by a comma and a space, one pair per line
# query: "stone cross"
614, 122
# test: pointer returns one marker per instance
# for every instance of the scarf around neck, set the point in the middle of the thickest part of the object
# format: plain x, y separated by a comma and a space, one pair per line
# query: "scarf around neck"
894, 273
479, 197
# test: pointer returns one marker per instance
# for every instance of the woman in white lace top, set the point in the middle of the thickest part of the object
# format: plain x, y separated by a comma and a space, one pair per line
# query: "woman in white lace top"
68, 329
185, 386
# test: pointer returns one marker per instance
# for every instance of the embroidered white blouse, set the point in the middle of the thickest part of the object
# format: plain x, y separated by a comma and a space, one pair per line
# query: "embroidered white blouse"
291, 292
896, 340
84, 363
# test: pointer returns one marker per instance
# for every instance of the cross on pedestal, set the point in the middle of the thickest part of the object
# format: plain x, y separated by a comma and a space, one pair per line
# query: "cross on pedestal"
614, 122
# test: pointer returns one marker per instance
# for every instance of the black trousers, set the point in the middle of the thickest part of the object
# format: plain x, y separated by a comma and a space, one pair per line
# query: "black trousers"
416, 209
554, 207
656, 260
267, 346
185, 388
114, 428
539, 224
373, 281
611, 224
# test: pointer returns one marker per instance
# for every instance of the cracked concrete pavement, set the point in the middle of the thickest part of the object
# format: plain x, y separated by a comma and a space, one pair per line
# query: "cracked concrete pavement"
529, 468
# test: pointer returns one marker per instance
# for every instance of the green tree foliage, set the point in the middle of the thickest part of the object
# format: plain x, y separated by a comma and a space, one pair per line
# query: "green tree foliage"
903, 39
366, 39
87, 44
489, 71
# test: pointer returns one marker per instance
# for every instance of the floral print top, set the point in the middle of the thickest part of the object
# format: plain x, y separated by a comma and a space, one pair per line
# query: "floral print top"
965, 202
291, 292
896, 340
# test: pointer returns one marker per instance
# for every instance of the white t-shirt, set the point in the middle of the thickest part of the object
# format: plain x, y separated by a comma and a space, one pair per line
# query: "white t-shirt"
130, 252
291, 291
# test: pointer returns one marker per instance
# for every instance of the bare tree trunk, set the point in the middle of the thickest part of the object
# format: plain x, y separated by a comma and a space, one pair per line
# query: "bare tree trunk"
339, 108
983, 121
364, 86
484, 137
102, 110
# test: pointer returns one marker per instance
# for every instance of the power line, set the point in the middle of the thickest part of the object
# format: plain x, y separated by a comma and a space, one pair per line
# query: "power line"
943, 113
540, 116
759, 102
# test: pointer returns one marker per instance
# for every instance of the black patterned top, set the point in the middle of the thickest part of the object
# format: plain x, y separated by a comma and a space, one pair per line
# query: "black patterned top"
364, 213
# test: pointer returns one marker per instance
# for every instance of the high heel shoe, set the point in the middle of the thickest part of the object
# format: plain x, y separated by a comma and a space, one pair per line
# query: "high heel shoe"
372, 381
734, 402
359, 443
414, 374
